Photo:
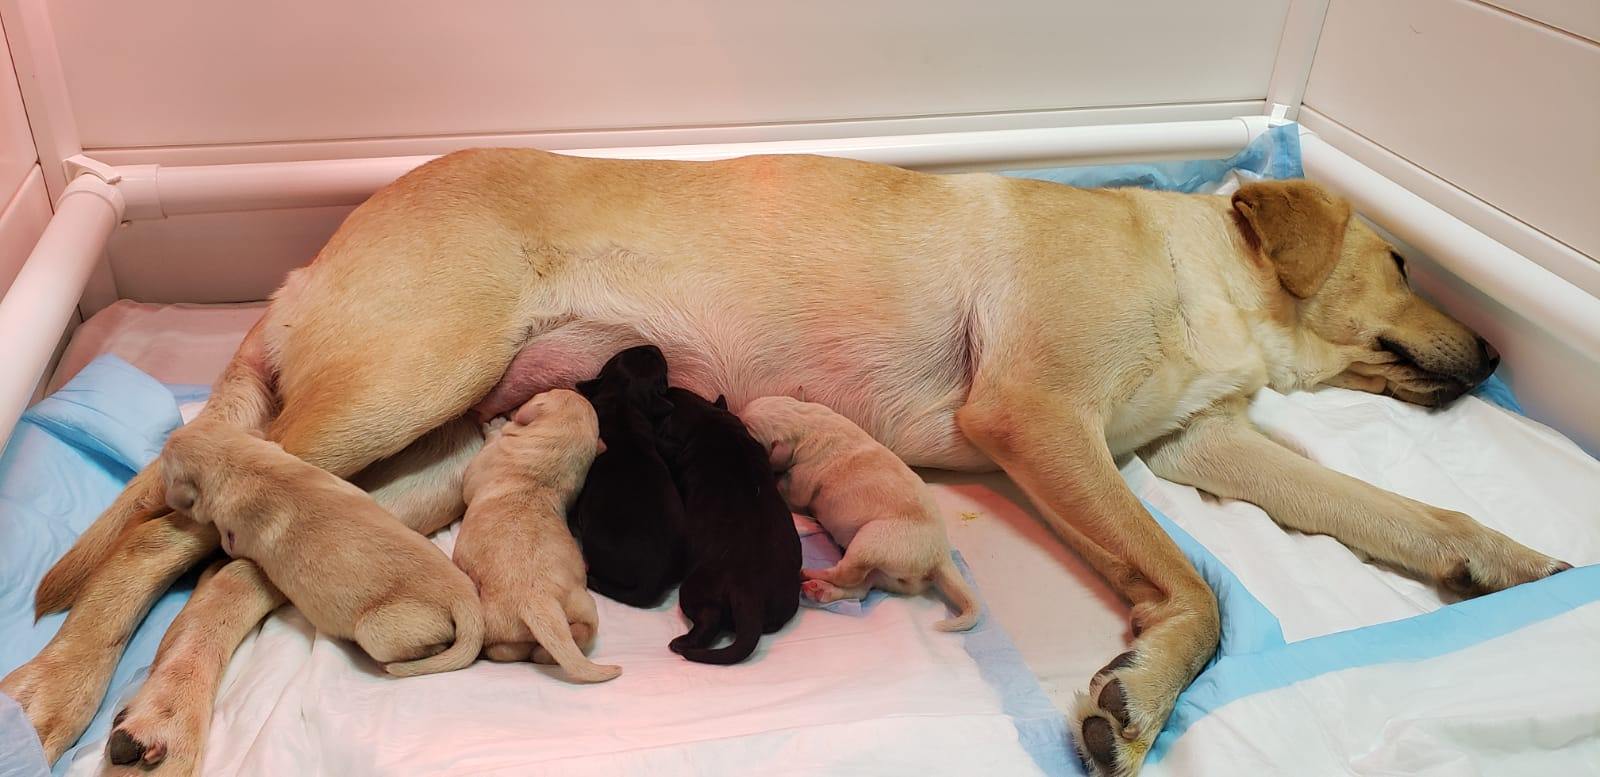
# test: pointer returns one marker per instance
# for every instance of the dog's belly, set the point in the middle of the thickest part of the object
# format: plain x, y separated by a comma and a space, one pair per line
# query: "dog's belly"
910, 409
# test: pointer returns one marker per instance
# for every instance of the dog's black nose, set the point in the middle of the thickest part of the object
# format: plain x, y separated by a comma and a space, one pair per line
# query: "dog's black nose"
1491, 357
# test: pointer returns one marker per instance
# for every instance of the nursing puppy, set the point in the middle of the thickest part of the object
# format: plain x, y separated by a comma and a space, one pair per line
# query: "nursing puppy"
514, 541
870, 502
629, 516
744, 555
352, 569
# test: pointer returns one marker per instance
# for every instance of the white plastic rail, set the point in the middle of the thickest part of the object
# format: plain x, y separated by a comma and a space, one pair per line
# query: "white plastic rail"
154, 191
41, 301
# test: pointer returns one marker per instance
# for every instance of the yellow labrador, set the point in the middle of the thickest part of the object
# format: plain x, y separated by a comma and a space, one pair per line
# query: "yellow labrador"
514, 542
870, 502
964, 321
350, 568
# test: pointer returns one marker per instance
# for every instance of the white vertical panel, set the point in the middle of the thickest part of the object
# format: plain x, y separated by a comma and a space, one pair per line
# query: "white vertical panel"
21, 223
1504, 108
1579, 17
178, 72
17, 156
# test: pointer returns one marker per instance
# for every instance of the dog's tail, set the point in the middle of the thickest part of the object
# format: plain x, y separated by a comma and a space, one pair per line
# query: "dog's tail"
139, 501
947, 578
748, 612
468, 617
550, 627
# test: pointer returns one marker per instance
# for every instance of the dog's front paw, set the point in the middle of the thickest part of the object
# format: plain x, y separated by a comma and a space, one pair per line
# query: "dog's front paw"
1116, 722
160, 732
1486, 561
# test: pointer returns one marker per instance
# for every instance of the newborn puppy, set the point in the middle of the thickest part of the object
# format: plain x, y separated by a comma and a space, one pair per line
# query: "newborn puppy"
629, 517
352, 569
870, 502
514, 541
744, 556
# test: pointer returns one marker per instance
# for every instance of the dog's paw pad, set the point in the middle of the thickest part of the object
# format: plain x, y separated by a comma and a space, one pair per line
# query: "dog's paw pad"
1123, 661
1461, 582
123, 750
1114, 701
1099, 741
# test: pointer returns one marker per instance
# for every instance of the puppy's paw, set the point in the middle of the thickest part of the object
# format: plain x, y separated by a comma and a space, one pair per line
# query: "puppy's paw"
820, 591
1118, 719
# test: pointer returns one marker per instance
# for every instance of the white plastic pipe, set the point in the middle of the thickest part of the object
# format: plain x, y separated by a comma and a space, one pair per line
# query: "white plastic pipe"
40, 302
1542, 297
153, 191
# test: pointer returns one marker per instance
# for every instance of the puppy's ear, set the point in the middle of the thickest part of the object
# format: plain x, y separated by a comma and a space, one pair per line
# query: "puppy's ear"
658, 407
588, 388
182, 494
1299, 227
782, 455
722, 402
528, 413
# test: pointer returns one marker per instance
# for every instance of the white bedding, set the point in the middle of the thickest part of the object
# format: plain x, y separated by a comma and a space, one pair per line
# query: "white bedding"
288, 697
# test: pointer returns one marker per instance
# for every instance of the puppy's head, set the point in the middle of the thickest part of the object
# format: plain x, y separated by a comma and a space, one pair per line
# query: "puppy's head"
638, 374
778, 422
196, 462
1349, 290
562, 410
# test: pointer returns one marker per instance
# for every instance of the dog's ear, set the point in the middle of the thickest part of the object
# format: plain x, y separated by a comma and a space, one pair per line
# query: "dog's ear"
722, 402
588, 388
1299, 227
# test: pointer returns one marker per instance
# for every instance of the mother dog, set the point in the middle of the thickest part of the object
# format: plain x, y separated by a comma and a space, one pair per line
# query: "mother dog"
964, 321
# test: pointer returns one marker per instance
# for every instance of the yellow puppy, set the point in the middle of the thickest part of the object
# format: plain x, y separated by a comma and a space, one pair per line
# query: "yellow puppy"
870, 502
514, 542
352, 569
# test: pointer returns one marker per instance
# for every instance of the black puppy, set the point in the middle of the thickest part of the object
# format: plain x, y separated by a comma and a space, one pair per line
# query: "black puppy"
744, 556
628, 519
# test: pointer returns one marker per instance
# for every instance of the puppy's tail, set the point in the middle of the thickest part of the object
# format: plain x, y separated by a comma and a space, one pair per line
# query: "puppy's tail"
468, 617
550, 627
947, 578
747, 620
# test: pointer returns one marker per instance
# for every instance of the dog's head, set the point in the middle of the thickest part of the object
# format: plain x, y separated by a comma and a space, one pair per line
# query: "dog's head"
1349, 291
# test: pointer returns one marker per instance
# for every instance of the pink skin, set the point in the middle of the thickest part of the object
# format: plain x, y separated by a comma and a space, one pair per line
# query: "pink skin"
556, 360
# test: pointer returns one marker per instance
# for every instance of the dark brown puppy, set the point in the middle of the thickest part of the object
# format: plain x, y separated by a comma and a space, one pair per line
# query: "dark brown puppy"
744, 555
628, 519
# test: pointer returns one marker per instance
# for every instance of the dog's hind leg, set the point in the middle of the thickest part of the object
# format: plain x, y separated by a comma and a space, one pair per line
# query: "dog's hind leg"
1221, 452
60, 687
421, 485
706, 626
1059, 456
110, 577
242, 395
164, 726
